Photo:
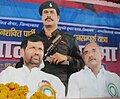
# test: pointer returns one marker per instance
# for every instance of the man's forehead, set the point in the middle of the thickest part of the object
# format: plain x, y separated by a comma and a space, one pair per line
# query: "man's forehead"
31, 43
91, 46
49, 9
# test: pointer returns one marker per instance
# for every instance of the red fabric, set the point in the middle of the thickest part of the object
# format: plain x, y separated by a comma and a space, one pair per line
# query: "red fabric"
79, 5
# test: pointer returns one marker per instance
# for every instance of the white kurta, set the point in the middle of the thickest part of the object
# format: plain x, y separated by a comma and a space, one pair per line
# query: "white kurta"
84, 84
33, 78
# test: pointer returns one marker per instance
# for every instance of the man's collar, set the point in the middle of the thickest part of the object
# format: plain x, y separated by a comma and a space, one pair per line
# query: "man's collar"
54, 33
42, 65
102, 70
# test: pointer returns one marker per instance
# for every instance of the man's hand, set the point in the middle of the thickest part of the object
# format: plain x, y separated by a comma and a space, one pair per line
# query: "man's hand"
58, 58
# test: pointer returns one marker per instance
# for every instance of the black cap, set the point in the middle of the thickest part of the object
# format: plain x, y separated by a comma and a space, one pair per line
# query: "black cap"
49, 4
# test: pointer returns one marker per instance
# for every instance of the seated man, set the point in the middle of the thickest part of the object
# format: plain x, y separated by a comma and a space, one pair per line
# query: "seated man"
93, 81
32, 51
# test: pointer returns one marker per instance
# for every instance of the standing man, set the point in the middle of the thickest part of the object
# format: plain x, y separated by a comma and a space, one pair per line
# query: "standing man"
64, 58
93, 81
32, 51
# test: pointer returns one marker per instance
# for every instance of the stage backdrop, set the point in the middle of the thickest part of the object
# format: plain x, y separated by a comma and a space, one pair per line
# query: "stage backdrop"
88, 21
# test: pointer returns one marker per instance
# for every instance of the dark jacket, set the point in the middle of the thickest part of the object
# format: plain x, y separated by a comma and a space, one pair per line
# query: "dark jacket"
67, 46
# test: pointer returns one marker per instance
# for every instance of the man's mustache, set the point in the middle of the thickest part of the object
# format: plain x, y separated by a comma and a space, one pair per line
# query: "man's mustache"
49, 18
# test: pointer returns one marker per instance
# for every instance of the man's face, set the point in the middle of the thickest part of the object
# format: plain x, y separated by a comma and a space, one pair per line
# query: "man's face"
33, 54
92, 55
49, 17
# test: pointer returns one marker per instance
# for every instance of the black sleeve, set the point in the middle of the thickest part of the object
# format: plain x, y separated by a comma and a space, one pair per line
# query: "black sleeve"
75, 59
20, 63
